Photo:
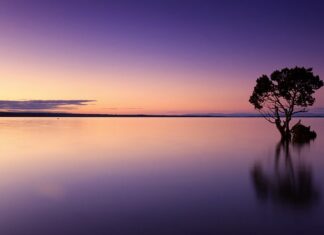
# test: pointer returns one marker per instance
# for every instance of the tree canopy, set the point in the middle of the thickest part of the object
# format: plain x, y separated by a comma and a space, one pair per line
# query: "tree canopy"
285, 93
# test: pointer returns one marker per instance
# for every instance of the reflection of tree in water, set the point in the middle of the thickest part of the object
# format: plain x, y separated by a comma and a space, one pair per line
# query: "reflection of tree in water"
291, 182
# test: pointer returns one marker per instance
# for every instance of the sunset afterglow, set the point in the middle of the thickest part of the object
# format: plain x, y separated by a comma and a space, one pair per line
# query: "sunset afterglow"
150, 57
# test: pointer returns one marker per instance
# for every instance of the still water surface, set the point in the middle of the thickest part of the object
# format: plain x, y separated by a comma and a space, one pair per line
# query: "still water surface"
157, 176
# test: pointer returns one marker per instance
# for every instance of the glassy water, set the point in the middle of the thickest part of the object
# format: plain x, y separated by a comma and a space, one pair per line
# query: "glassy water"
157, 176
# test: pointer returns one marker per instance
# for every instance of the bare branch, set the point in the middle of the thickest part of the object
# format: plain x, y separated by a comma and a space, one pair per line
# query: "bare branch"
303, 110
267, 116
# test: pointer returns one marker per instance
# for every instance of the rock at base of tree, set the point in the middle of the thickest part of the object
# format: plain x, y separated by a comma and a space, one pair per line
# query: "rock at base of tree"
302, 134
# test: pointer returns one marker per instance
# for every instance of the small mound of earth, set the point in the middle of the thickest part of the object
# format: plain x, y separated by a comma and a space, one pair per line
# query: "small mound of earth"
302, 134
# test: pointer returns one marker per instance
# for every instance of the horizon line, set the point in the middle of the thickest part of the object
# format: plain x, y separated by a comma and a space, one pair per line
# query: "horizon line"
66, 114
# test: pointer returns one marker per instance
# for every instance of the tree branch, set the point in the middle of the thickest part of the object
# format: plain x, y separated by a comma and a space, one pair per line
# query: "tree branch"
304, 110
267, 116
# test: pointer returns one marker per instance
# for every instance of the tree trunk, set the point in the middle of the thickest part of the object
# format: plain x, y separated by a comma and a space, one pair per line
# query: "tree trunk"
280, 128
283, 129
287, 128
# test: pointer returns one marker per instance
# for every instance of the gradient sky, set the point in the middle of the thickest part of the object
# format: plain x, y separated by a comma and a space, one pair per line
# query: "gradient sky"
154, 56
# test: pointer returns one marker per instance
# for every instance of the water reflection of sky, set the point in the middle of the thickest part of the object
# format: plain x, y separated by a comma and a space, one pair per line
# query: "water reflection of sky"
146, 176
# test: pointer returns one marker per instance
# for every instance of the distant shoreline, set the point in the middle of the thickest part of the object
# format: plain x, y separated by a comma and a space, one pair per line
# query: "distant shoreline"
87, 115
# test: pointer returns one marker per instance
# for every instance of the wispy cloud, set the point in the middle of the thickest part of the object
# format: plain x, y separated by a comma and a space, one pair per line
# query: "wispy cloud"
46, 105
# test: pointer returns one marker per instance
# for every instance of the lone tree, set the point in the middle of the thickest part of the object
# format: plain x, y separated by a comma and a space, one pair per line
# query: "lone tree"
285, 93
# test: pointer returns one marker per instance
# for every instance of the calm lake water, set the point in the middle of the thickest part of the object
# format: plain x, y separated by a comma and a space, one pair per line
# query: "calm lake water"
157, 176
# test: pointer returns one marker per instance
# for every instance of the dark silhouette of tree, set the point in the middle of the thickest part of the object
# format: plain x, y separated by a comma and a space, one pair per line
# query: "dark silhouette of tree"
285, 93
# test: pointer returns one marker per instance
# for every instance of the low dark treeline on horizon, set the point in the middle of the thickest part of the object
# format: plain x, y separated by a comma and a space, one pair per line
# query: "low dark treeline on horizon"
62, 114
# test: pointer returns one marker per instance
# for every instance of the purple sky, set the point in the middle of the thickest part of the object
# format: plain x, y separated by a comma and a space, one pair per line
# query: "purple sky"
179, 54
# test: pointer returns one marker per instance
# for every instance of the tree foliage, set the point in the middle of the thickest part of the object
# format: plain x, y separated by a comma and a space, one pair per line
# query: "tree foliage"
285, 93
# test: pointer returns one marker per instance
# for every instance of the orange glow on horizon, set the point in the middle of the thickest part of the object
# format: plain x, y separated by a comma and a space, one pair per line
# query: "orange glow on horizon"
121, 90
